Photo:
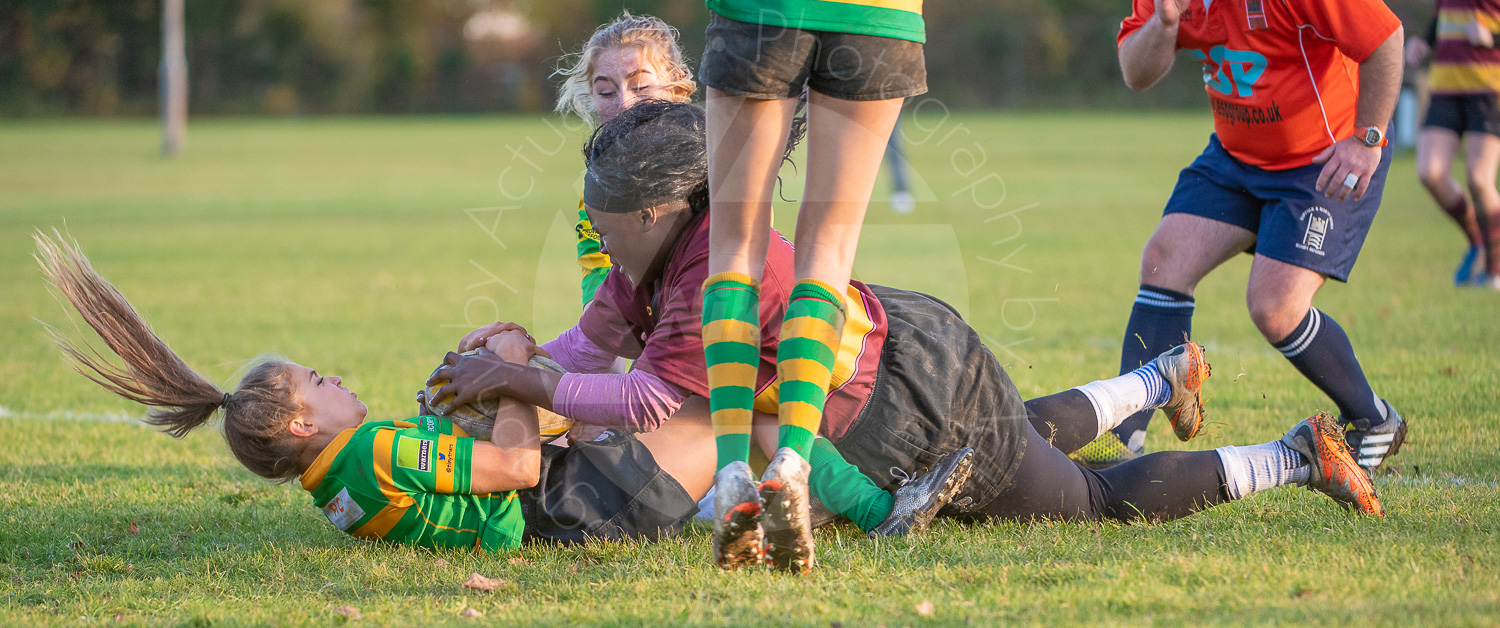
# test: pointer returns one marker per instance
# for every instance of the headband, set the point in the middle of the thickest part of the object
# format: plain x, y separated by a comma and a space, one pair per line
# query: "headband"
623, 197
597, 196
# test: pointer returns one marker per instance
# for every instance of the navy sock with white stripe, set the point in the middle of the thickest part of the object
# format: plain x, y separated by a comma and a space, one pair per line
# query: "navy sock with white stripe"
1321, 351
1159, 320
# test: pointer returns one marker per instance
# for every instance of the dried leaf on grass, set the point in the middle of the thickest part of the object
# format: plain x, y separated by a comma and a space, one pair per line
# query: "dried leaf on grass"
440, 563
482, 583
925, 608
471, 612
349, 611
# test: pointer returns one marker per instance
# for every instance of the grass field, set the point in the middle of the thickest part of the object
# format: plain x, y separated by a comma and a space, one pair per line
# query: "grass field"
367, 247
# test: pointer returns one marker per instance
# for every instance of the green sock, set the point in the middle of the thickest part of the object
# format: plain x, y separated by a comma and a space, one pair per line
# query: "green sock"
811, 334
731, 349
844, 489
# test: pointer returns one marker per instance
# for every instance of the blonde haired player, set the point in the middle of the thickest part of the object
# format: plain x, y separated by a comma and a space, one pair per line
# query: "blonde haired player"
625, 61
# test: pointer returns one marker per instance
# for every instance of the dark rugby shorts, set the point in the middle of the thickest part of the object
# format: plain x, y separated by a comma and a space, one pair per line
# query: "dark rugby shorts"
773, 62
938, 388
607, 488
1464, 113
1291, 220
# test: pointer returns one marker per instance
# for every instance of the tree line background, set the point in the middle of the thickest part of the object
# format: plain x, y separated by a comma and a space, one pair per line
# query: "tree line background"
100, 57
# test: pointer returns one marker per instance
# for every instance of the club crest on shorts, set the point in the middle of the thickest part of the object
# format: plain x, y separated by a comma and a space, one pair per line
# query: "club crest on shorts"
414, 453
1319, 222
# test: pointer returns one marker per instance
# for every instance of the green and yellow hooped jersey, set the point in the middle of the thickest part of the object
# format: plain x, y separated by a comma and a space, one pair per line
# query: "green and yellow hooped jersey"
897, 19
408, 482
591, 257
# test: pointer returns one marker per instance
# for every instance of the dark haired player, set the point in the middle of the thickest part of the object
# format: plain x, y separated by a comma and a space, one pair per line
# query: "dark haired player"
1302, 93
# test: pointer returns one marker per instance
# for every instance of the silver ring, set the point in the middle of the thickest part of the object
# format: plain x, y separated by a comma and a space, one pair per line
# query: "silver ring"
1351, 180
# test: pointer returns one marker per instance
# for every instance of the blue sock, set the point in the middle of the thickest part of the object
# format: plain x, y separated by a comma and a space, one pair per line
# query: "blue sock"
1321, 351
1159, 320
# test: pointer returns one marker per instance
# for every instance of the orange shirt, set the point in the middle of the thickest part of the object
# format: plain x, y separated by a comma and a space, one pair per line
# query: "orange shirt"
1282, 75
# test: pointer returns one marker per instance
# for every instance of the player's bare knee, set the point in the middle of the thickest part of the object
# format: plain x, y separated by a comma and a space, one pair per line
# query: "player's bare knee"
1433, 178
1275, 315
1161, 264
1479, 184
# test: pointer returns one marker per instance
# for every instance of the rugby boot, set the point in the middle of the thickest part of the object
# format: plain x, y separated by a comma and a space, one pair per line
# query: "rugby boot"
1185, 369
1373, 445
1105, 452
915, 503
737, 513
1333, 471
787, 520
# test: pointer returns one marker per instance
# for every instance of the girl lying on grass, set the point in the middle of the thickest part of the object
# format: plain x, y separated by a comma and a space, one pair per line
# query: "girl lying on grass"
423, 481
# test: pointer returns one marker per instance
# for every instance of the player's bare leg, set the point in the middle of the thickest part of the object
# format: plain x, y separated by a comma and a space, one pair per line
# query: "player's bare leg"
1182, 251
746, 140
1280, 298
1436, 147
845, 144
846, 141
1482, 152
1185, 248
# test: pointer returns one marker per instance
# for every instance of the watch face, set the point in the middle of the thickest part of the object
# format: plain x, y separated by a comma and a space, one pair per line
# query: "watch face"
1372, 136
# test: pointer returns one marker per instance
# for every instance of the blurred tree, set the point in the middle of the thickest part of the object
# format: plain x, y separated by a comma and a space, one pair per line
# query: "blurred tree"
393, 56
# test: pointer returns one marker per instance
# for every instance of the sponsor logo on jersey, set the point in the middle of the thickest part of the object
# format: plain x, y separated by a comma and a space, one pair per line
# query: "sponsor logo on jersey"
1240, 114
1231, 72
429, 423
1319, 223
342, 511
414, 453
445, 457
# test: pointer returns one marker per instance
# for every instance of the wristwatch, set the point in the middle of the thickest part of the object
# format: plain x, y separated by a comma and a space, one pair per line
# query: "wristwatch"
1372, 136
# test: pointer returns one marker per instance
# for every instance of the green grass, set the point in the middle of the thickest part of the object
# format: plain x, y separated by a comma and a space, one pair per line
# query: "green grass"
345, 244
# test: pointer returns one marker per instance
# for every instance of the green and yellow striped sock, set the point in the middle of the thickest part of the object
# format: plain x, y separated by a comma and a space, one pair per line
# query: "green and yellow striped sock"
810, 338
844, 489
731, 348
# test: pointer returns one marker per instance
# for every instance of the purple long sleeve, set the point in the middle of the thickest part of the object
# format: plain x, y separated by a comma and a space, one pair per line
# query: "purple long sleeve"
577, 354
636, 401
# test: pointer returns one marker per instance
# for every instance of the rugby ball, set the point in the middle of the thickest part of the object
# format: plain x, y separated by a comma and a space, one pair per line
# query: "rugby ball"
478, 418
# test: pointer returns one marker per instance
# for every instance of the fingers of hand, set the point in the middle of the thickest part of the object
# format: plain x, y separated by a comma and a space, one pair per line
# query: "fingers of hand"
475, 339
1362, 161
1323, 156
1336, 188
1325, 176
1364, 174
1359, 192
443, 392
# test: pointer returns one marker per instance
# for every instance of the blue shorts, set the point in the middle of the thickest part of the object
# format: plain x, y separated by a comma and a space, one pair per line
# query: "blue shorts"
1291, 220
